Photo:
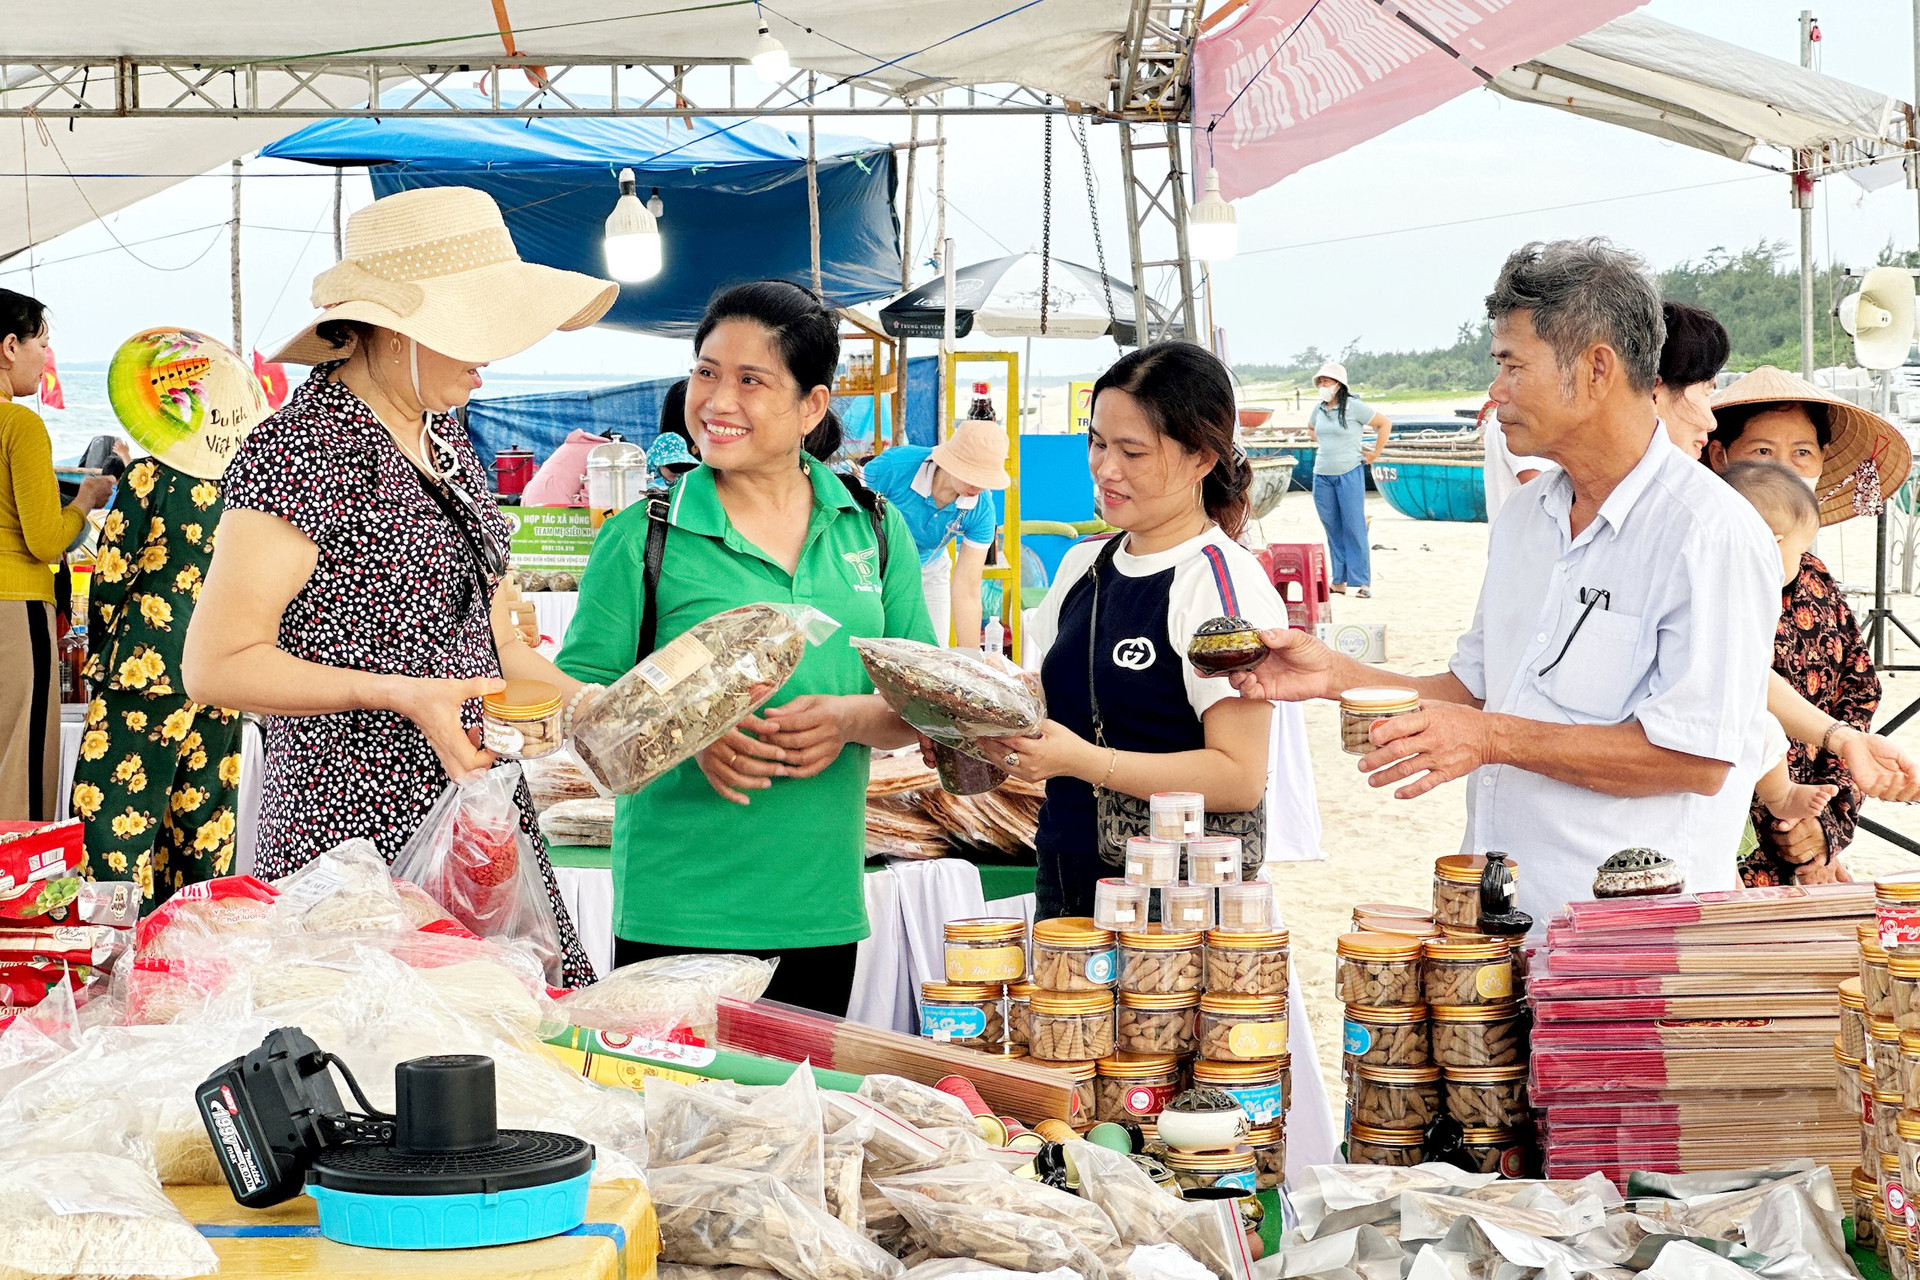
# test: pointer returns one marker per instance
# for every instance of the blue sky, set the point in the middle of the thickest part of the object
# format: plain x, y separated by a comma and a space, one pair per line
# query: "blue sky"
1391, 245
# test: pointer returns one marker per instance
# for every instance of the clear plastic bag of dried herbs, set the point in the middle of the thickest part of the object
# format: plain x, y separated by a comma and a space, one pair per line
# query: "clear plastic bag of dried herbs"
950, 693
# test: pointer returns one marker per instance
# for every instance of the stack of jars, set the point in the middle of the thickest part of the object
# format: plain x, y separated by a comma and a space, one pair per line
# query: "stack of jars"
986, 957
1878, 1054
1434, 1028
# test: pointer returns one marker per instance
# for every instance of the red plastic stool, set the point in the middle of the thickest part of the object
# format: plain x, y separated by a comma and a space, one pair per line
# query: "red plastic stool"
1299, 572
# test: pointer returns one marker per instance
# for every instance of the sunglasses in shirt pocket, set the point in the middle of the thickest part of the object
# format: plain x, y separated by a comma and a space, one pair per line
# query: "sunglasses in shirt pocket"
1601, 668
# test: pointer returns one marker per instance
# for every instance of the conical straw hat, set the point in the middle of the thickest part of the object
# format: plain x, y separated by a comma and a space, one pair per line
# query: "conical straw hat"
1866, 459
438, 265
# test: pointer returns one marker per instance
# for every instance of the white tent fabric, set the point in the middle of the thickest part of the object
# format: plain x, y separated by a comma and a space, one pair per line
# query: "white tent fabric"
1644, 74
1065, 47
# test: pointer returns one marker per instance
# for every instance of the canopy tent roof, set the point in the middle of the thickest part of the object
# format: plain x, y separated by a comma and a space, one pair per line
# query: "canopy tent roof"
1641, 73
735, 197
100, 164
1062, 46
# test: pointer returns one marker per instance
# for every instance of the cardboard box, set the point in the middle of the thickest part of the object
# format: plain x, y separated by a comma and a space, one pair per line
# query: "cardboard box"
1361, 641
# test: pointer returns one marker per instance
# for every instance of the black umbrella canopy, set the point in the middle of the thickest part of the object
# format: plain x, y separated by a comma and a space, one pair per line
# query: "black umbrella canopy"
1003, 296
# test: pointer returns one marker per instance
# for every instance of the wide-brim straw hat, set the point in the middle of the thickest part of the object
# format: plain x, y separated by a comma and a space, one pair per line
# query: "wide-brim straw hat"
1333, 369
438, 265
1867, 458
975, 454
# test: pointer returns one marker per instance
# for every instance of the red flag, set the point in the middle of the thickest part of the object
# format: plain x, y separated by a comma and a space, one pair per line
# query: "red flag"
273, 379
51, 394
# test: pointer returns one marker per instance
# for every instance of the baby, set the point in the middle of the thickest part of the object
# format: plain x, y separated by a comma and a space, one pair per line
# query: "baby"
1787, 505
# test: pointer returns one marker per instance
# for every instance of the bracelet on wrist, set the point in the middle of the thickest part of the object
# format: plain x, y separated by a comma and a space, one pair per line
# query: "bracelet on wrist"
566, 716
1827, 738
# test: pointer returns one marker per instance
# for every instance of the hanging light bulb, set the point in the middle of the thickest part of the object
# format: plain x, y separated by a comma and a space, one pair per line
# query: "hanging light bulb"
655, 205
1213, 230
633, 237
770, 59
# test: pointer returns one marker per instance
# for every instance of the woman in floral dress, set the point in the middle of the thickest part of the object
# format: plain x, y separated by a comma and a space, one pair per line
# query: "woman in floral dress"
350, 597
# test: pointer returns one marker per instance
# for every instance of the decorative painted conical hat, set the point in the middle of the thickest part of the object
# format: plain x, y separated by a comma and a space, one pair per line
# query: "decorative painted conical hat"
184, 398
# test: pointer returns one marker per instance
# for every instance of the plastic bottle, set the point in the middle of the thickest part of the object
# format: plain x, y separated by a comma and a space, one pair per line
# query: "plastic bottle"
982, 406
993, 639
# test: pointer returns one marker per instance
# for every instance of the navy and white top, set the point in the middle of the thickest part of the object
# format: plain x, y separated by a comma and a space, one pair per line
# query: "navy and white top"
1151, 698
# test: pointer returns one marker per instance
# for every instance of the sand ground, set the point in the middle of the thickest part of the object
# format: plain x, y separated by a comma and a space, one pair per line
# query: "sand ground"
1426, 577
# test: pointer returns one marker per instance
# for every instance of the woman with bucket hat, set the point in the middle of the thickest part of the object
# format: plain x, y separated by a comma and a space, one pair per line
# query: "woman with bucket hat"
1825, 689
349, 598
942, 492
1338, 424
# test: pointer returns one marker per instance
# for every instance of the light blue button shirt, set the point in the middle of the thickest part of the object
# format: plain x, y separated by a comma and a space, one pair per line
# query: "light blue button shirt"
1340, 446
903, 476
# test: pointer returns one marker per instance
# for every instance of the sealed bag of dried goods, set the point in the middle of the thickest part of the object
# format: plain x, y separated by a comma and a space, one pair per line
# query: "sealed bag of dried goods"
472, 857
690, 692
346, 888
658, 997
954, 696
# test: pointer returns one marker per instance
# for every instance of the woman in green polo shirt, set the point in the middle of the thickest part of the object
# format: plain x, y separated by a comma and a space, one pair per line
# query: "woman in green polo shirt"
756, 846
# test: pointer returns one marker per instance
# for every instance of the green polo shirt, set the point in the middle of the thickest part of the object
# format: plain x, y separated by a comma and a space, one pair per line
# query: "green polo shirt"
689, 868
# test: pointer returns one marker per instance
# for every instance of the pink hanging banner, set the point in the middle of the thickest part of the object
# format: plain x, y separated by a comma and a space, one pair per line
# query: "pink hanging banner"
1353, 70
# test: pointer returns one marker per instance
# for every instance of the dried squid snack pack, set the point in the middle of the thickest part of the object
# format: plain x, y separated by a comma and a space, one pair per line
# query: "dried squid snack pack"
687, 694
950, 693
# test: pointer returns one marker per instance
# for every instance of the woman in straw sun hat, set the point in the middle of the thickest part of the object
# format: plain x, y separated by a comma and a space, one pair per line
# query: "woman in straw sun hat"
349, 598
1825, 690
942, 492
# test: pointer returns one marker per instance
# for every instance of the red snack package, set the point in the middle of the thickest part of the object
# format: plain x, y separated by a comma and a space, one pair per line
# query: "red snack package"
39, 851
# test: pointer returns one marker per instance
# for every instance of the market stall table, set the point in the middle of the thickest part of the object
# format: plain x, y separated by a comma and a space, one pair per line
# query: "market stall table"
620, 1240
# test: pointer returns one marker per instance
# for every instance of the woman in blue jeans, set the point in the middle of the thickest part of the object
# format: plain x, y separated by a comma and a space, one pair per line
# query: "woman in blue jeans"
1339, 478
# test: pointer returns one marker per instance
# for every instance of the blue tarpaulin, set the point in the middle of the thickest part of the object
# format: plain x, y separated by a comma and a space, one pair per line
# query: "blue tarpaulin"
541, 422
735, 196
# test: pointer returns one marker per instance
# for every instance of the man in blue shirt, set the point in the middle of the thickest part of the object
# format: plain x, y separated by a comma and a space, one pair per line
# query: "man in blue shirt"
939, 492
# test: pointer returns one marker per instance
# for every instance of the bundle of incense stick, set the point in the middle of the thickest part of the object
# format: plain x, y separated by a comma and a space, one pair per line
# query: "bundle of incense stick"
1551, 986
1560, 1072
1562, 933
1028, 1090
1808, 1004
1810, 1034
1731, 906
1836, 958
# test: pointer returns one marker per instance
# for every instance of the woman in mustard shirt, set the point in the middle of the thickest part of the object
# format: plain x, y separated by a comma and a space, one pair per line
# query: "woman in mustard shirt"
757, 844
35, 531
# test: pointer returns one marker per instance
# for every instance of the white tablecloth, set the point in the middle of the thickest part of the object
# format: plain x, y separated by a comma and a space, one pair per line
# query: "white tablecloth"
252, 761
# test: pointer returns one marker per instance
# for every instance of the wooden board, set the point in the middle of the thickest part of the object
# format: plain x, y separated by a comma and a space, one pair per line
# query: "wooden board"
620, 1240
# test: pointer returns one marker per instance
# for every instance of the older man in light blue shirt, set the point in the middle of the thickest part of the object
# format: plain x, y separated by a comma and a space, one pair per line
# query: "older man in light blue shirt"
1611, 692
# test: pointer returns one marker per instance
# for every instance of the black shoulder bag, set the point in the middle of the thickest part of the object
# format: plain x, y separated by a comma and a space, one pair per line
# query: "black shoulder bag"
655, 555
1119, 817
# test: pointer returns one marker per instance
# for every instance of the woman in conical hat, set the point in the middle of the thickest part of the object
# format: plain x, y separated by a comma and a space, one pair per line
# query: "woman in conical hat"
1851, 458
349, 598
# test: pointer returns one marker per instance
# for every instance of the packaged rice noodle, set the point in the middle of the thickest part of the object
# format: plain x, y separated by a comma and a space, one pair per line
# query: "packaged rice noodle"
348, 887
655, 997
71, 900
212, 911
81, 1213
688, 694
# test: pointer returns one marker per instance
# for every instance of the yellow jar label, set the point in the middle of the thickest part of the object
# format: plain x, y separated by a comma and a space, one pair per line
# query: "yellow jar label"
985, 964
1258, 1039
1494, 982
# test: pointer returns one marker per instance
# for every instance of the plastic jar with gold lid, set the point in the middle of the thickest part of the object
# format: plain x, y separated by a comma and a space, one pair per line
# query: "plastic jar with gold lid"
1465, 973
966, 1014
1378, 970
1876, 984
1896, 911
1906, 1128
1158, 1023
1073, 953
986, 949
1883, 1051
1198, 1170
1361, 708
1487, 1097
1501, 1151
1157, 961
1910, 1069
1070, 1026
1886, 1122
1483, 1035
521, 721
1395, 1148
1893, 1244
1390, 917
1395, 1097
1864, 1193
1853, 1019
1261, 1088
1890, 1187
1847, 1071
1135, 1086
1456, 888
1081, 1106
1387, 1037
1903, 979
1247, 964
1269, 1146
1017, 994
1242, 1028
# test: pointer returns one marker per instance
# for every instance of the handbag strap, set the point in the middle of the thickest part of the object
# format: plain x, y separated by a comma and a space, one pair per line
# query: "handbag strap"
1100, 564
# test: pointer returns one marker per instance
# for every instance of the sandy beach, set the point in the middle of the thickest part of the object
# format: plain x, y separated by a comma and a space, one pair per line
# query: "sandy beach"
1426, 577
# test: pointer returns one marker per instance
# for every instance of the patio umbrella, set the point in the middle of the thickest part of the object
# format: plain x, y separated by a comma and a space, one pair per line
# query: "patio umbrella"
1001, 298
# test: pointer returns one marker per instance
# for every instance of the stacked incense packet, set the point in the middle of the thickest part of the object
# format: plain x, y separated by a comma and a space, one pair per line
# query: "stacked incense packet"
1689, 1033
1435, 1061
1176, 980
